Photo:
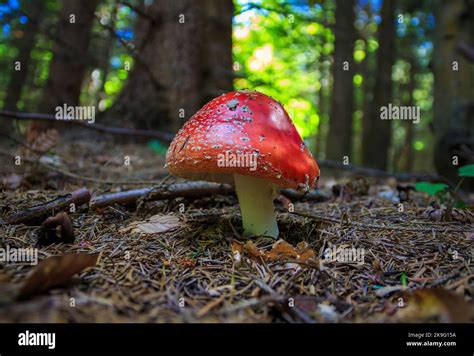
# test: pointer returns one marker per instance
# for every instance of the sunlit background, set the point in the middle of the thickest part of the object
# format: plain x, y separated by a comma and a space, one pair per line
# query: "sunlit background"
282, 49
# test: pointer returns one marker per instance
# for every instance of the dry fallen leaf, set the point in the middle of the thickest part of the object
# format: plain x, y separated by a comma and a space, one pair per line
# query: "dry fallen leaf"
153, 225
248, 247
281, 250
54, 271
437, 304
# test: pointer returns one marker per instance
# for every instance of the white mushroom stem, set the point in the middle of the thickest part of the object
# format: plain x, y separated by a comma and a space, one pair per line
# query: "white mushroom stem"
256, 206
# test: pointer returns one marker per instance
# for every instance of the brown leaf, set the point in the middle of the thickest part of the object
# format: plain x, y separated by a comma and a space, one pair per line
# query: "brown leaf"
437, 304
249, 247
54, 271
56, 229
281, 250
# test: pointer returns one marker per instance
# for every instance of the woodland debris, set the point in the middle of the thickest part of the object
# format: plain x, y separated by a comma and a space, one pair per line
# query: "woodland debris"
443, 213
154, 225
190, 190
54, 271
184, 190
56, 229
280, 251
39, 212
438, 304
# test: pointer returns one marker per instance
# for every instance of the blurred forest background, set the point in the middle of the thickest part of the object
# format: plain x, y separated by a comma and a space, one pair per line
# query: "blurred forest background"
152, 64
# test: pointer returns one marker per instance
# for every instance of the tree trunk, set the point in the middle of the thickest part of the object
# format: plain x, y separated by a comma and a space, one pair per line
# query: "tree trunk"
403, 158
453, 106
185, 59
339, 142
377, 132
107, 52
66, 70
19, 74
406, 157
24, 45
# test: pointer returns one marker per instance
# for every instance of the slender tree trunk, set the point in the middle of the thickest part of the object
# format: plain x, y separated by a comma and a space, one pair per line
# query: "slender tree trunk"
20, 65
339, 142
453, 107
24, 45
407, 155
107, 52
367, 67
66, 70
377, 132
322, 113
185, 59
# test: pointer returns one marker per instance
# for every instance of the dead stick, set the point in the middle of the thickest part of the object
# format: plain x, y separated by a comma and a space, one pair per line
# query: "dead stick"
78, 197
184, 190
162, 136
190, 190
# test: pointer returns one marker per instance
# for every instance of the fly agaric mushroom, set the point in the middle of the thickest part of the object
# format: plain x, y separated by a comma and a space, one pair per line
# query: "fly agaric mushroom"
246, 139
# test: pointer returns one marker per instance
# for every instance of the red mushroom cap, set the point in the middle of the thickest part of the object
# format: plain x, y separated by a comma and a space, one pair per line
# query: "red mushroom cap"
234, 126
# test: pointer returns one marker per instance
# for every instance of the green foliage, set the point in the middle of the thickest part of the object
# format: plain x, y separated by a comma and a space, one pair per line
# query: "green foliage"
466, 171
158, 147
282, 55
430, 188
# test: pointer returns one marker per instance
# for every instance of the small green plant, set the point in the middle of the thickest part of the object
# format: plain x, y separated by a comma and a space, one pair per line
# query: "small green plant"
443, 192
466, 171
432, 189
157, 147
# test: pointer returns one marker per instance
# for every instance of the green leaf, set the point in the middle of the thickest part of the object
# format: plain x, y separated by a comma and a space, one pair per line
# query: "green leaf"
157, 147
430, 188
466, 171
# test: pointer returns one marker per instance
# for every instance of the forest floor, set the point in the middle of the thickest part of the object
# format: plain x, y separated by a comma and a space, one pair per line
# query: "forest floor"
195, 266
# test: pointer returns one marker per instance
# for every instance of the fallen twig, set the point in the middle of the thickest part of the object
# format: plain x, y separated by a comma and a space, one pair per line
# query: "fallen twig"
183, 190
188, 190
78, 197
